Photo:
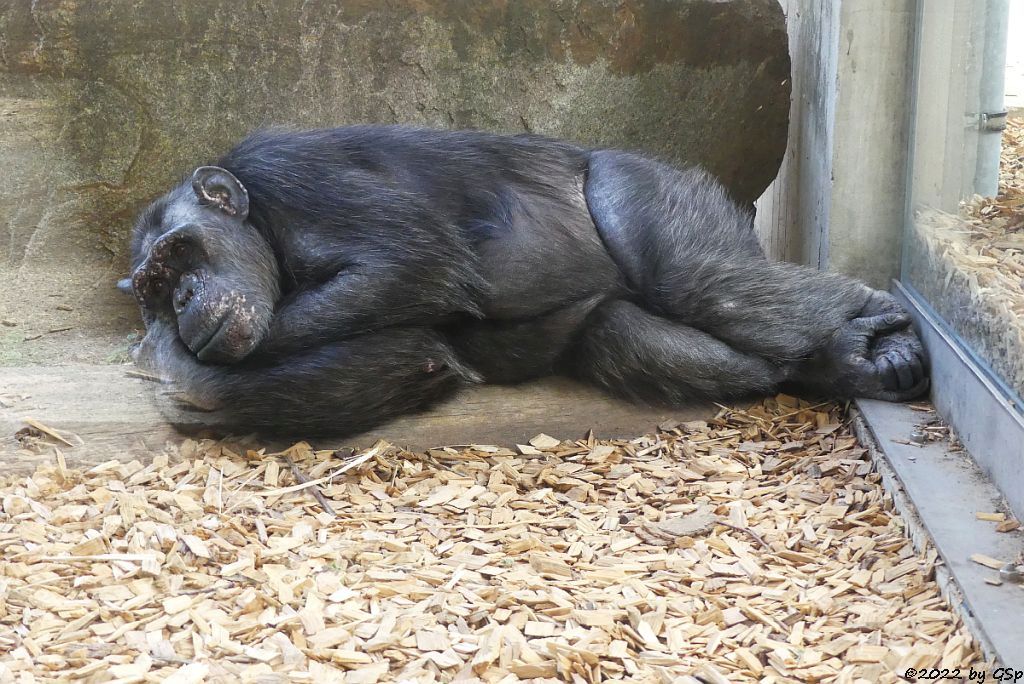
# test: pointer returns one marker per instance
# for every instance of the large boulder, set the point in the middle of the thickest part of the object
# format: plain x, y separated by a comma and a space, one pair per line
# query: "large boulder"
105, 103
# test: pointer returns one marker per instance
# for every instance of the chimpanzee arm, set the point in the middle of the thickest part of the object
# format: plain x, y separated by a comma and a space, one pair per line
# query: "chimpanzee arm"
348, 305
360, 252
340, 388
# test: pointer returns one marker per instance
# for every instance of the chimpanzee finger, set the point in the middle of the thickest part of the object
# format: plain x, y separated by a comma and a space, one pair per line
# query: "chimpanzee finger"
901, 363
916, 366
880, 302
882, 324
887, 373
889, 322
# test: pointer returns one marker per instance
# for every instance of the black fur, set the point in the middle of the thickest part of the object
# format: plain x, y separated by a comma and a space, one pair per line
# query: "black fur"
404, 263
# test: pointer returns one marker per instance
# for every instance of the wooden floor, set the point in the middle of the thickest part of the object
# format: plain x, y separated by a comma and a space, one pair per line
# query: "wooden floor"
108, 414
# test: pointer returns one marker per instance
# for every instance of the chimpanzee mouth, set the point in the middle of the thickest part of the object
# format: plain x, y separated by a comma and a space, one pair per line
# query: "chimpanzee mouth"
230, 339
207, 345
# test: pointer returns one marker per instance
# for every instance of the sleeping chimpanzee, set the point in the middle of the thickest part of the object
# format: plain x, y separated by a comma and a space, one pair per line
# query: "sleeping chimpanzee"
327, 280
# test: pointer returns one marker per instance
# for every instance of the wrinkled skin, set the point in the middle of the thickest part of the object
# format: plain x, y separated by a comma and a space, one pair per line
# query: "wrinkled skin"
199, 263
325, 281
874, 355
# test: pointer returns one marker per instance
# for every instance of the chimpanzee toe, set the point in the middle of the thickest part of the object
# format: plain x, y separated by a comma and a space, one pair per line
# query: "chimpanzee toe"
913, 392
917, 366
900, 366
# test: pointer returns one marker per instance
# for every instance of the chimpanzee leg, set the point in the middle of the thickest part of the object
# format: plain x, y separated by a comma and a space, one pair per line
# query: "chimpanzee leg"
629, 351
692, 255
340, 388
518, 350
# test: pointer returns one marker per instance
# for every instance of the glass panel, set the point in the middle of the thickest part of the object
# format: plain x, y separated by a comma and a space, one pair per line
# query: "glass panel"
964, 248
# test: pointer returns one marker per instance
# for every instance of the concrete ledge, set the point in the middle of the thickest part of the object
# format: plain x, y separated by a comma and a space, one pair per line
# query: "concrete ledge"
938, 492
108, 414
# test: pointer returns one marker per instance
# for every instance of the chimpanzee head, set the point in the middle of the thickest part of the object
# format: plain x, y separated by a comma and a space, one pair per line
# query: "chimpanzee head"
198, 262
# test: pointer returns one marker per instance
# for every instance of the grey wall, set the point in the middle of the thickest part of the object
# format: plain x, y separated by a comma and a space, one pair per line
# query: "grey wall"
793, 214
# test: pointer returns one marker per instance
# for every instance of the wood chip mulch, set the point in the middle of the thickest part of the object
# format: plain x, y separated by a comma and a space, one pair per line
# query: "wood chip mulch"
971, 266
995, 241
759, 545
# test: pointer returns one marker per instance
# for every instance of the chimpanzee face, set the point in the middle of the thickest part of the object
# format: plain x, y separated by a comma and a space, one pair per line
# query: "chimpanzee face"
197, 261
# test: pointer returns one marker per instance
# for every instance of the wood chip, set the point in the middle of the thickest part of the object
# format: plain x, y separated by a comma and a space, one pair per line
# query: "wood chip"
543, 441
1008, 526
757, 545
48, 431
987, 561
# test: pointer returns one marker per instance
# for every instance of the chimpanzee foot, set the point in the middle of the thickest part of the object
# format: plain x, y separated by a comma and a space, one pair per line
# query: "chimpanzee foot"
882, 303
894, 351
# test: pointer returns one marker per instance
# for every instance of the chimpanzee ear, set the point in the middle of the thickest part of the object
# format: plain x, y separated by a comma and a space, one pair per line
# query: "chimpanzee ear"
125, 285
219, 188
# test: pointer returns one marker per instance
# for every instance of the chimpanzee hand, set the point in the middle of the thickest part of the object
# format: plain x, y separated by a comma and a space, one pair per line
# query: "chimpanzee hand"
877, 357
160, 342
901, 362
163, 354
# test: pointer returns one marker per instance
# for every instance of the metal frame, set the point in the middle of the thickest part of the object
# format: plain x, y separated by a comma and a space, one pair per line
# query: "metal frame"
986, 414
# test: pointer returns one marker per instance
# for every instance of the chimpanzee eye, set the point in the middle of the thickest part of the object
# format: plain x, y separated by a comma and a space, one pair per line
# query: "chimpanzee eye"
180, 249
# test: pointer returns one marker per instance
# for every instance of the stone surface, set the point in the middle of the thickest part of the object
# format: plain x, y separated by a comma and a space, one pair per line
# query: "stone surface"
105, 103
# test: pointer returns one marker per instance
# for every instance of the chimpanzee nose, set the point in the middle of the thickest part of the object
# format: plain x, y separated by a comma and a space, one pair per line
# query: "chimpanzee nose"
182, 299
184, 293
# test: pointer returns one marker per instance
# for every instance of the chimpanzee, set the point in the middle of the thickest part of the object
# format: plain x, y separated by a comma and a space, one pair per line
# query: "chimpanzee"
327, 280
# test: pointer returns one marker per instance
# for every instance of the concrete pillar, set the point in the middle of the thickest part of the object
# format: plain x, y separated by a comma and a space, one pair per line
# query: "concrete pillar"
839, 200
871, 142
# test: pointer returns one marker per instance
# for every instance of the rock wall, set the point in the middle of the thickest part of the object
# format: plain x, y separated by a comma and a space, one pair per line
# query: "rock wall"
104, 103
